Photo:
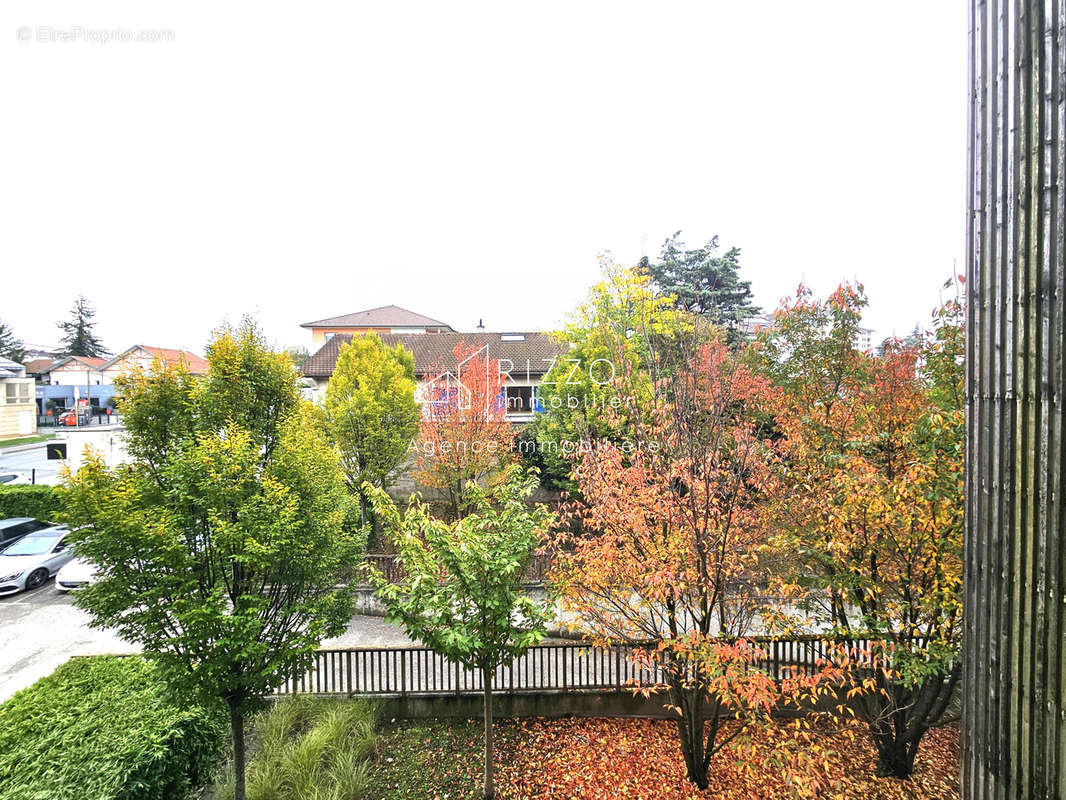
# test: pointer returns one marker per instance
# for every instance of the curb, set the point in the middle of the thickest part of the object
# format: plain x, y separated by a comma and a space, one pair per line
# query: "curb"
22, 448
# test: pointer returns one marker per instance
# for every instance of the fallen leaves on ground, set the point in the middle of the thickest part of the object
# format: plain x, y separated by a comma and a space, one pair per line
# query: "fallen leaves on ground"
631, 759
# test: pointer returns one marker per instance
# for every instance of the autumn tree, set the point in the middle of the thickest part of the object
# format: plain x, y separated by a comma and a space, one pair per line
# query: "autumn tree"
615, 330
872, 518
372, 412
78, 337
11, 347
673, 524
463, 436
461, 594
221, 543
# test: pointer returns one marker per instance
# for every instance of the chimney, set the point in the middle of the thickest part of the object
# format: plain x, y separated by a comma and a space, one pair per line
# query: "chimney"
481, 325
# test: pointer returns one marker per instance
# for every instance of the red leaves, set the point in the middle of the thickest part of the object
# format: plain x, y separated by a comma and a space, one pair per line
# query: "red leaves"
636, 759
616, 759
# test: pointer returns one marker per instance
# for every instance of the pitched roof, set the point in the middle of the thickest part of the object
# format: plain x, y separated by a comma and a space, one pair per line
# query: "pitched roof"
11, 369
434, 352
383, 317
197, 365
38, 365
85, 361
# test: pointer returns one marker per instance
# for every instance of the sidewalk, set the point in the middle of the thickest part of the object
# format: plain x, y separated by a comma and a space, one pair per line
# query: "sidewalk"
23, 448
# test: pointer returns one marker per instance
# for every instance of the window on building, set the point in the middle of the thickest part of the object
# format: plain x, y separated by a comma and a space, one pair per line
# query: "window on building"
519, 399
17, 393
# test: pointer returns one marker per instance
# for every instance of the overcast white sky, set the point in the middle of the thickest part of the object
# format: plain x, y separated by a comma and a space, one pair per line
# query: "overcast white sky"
467, 160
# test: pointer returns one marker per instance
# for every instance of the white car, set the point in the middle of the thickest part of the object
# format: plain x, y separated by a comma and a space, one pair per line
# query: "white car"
14, 479
33, 559
77, 573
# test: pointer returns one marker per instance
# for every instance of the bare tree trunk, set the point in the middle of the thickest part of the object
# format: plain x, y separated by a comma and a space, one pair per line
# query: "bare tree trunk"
899, 719
690, 730
236, 720
486, 679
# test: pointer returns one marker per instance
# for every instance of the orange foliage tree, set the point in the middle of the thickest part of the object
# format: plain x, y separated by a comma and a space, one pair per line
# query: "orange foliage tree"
668, 561
871, 520
464, 436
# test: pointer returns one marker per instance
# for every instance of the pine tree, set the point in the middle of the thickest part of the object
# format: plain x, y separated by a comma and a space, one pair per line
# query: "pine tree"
78, 338
10, 347
703, 283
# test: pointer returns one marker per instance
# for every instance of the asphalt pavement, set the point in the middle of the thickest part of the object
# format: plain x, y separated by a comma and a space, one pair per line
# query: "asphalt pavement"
39, 630
32, 458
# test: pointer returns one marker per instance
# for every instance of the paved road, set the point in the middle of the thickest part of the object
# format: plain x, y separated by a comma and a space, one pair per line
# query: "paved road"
26, 460
40, 630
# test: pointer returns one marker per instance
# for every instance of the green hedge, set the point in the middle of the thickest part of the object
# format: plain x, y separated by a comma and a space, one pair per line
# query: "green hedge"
101, 728
42, 502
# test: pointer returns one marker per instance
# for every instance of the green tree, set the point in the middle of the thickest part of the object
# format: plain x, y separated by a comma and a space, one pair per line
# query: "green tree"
220, 545
372, 412
614, 335
703, 282
462, 591
78, 338
10, 347
297, 354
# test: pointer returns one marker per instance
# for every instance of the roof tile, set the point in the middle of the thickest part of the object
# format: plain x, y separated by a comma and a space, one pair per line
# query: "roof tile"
383, 317
434, 352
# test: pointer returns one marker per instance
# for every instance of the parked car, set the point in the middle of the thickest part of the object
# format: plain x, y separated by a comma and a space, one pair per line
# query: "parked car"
16, 527
33, 559
75, 574
13, 478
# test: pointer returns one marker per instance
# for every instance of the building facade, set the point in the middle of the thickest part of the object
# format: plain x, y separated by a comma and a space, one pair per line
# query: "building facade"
18, 412
523, 358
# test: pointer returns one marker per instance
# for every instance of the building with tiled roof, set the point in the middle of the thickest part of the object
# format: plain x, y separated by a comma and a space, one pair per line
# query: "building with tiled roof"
144, 356
38, 366
73, 371
77, 378
384, 320
525, 357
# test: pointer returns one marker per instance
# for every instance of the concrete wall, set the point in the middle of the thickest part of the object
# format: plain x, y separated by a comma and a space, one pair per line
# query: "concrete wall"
608, 703
105, 440
552, 705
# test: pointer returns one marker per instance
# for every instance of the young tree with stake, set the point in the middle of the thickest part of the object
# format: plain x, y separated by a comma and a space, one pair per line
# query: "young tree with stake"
461, 594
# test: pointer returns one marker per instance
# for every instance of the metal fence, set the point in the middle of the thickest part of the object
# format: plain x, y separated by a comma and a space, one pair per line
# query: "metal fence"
390, 566
546, 668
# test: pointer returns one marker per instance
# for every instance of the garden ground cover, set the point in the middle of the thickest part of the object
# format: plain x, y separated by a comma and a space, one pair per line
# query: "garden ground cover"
616, 759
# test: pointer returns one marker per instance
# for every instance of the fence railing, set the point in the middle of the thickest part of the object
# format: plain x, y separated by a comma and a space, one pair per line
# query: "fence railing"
544, 668
390, 566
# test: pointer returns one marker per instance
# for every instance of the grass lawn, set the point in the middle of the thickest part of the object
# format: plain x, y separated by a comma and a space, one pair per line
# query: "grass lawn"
26, 440
608, 759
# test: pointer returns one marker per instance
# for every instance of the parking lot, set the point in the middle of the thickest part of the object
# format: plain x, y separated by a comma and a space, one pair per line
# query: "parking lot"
39, 630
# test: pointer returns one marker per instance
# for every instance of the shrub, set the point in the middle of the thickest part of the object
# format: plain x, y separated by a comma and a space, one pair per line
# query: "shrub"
42, 502
103, 728
308, 749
